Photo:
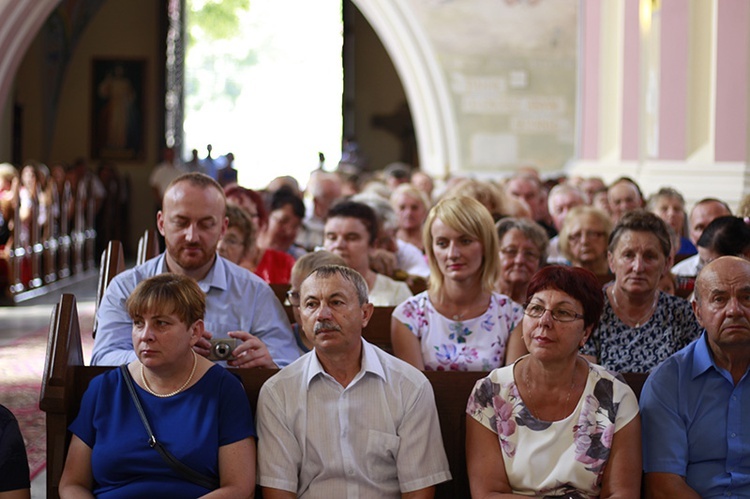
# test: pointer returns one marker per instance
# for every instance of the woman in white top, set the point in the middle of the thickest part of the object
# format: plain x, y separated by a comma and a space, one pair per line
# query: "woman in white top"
553, 424
459, 323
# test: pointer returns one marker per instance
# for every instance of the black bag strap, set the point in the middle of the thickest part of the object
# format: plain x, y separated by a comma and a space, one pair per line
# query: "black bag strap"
178, 466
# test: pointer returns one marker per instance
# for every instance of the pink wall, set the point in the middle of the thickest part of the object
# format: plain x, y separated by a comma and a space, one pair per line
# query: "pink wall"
590, 38
732, 80
631, 81
673, 84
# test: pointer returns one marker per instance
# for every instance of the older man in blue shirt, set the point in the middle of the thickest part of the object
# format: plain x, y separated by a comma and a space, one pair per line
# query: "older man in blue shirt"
695, 442
238, 303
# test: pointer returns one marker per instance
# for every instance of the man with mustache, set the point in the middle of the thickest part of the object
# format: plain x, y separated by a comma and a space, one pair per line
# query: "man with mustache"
347, 419
694, 406
238, 303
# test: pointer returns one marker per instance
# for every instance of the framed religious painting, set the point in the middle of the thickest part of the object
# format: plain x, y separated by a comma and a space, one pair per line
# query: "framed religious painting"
117, 109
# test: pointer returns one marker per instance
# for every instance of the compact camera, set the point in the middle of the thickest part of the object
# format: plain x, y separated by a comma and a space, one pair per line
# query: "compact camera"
222, 348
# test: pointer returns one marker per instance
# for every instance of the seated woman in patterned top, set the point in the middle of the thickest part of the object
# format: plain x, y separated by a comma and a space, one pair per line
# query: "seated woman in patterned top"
459, 323
553, 424
641, 326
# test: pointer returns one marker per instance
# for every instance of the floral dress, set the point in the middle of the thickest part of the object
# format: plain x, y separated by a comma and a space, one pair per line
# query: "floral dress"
561, 457
476, 344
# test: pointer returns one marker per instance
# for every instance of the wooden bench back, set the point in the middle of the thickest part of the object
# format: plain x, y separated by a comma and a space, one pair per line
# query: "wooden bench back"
66, 378
148, 246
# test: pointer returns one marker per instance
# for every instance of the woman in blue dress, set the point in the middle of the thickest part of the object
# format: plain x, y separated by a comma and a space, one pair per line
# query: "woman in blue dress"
197, 410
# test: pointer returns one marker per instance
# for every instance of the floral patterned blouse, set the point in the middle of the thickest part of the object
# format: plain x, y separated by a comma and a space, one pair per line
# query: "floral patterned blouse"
476, 344
626, 349
561, 457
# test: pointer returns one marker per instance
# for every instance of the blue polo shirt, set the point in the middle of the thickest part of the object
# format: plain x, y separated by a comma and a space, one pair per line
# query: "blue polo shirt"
692, 416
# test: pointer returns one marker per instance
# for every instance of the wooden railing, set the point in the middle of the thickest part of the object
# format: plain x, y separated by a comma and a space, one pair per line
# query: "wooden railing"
58, 245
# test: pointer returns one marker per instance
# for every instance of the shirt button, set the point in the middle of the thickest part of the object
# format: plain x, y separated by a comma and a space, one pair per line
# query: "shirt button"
733, 436
734, 397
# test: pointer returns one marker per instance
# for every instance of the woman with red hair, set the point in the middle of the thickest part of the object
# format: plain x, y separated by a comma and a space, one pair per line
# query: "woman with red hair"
575, 421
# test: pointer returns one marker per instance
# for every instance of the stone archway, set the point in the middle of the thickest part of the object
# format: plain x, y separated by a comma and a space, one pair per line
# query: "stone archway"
405, 42
19, 24
423, 81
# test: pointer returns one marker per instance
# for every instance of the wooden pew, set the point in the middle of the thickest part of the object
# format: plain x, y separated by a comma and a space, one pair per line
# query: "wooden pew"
112, 263
148, 246
280, 291
66, 378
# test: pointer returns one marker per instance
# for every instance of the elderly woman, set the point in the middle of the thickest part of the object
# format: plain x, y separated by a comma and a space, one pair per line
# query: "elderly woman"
523, 251
459, 323
197, 410
411, 205
641, 326
238, 245
583, 240
553, 424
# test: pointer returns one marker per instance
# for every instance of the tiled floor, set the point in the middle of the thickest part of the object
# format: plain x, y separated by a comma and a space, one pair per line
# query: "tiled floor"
35, 314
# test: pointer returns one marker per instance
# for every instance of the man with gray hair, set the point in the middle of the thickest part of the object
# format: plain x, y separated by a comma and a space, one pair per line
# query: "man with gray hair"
347, 419
561, 199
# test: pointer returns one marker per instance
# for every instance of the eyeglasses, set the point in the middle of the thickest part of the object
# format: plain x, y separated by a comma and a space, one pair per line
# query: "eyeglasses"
512, 252
536, 311
590, 234
232, 241
293, 297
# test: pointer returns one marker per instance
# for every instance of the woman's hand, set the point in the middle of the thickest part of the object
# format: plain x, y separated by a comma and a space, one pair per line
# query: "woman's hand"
77, 478
252, 352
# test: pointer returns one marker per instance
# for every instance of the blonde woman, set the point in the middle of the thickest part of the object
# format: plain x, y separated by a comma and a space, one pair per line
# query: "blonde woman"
459, 323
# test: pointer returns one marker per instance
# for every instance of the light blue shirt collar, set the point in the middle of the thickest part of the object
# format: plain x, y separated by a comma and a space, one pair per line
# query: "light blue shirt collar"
216, 277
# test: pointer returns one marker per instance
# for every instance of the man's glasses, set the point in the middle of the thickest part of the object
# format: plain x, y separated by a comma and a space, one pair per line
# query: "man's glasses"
293, 297
512, 252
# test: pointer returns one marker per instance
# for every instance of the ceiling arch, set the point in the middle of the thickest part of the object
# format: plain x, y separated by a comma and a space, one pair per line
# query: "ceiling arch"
423, 80
405, 42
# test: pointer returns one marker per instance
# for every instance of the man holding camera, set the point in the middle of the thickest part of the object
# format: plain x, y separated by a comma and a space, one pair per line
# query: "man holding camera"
239, 304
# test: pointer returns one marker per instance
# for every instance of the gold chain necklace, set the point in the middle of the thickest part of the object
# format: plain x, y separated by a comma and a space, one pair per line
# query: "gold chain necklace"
643, 318
567, 398
170, 394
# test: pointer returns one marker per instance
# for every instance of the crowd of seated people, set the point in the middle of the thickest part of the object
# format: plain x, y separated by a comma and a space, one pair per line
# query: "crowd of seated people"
550, 292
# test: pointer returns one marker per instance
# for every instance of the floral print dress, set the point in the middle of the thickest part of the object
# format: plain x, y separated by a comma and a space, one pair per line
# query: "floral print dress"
476, 344
561, 457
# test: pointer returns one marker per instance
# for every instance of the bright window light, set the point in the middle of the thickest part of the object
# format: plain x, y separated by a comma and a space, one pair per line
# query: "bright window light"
264, 80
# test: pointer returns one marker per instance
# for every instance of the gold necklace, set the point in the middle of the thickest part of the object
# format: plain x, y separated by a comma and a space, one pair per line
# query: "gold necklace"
567, 398
643, 318
170, 394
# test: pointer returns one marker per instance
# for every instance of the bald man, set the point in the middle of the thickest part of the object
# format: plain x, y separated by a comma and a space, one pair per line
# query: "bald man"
694, 406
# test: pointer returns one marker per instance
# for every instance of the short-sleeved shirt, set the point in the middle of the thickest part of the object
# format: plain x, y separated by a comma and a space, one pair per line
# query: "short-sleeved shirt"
622, 348
376, 438
695, 423
192, 425
476, 344
14, 466
568, 455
